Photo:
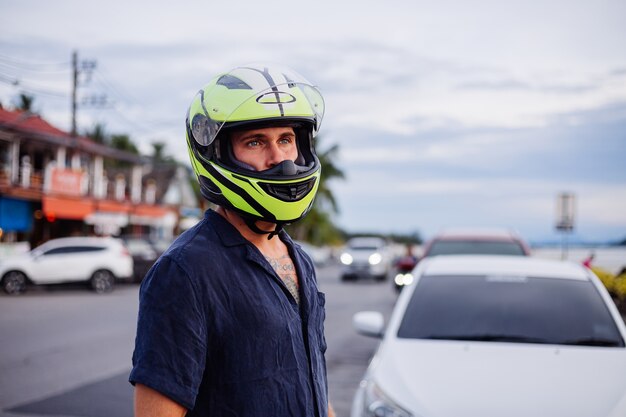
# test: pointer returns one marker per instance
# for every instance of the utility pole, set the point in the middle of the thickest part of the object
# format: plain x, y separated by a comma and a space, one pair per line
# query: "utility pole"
74, 85
87, 67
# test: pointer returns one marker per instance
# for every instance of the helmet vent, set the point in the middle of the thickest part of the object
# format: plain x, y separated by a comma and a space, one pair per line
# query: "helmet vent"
233, 83
289, 192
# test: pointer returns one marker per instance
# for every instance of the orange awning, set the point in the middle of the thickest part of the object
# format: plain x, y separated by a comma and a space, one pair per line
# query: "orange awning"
66, 208
150, 211
113, 206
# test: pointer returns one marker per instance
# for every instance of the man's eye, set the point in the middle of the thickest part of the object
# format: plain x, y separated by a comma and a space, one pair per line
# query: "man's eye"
252, 143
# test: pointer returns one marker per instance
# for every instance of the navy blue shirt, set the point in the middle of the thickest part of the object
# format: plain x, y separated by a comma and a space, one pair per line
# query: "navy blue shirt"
219, 333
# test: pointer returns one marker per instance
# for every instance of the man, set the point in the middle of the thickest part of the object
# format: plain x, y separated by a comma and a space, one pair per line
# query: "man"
230, 317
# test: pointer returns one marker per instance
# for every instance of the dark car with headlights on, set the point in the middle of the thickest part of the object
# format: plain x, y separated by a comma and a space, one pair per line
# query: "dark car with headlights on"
468, 242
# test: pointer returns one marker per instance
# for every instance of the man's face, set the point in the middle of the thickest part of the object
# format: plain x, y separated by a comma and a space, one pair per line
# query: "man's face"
264, 148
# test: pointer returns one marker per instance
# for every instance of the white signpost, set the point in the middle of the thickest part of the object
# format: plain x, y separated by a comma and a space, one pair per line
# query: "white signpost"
565, 217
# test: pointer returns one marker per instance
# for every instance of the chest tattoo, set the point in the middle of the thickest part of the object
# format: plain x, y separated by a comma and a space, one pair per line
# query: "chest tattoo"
285, 269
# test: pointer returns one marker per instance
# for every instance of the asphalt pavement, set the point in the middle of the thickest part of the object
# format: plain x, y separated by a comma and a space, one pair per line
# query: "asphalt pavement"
66, 351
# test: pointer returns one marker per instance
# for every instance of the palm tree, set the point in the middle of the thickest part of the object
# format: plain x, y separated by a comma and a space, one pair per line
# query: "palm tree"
124, 143
98, 134
330, 170
158, 154
317, 227
25, 102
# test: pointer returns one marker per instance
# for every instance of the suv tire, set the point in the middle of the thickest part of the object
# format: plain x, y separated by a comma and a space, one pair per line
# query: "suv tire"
14, 282
102, 281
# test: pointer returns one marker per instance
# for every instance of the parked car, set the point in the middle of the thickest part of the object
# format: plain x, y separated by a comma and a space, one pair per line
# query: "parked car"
495, 336
469, 242
94, 260
365, 257
144, 254
319, 255
476, 242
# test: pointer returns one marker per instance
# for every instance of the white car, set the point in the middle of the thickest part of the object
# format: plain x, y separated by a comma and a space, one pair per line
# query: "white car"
97, 261
494, 336
319, 255
365, 257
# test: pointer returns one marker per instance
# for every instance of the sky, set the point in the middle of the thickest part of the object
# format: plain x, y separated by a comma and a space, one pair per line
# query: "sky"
446, 114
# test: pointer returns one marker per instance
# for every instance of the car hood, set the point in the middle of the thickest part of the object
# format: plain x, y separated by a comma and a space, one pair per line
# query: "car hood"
486, 379
363, 254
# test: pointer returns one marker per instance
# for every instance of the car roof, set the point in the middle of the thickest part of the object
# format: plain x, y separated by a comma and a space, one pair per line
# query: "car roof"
477, 233
87, 240
502, 265
367, 240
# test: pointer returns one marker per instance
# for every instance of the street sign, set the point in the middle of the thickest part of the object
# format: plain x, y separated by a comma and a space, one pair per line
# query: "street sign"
565, 212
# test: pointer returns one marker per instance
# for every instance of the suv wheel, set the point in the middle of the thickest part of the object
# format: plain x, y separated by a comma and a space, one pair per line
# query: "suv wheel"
14, 282
102, 281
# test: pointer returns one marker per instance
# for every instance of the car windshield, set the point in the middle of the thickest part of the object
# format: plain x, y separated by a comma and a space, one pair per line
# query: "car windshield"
363, 247
509, 309
475, 247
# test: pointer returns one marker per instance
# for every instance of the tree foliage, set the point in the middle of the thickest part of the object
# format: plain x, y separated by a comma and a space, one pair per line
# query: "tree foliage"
123, 143
25, 103
120, 141
98, 134
158, 153
317, 227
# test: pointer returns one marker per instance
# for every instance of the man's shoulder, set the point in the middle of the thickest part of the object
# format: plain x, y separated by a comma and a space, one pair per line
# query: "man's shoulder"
201, 239
197, 253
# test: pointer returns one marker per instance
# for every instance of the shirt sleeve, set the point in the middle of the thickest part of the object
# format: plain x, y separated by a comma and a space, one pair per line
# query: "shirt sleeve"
170, 346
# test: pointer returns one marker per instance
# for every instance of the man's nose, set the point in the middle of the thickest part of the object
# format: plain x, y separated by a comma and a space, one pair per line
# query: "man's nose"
275, 156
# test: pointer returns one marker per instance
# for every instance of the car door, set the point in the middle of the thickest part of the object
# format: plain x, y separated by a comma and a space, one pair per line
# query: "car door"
49, 266
63, 264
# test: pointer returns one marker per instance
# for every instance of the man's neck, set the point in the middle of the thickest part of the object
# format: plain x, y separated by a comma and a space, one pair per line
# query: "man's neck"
261, 241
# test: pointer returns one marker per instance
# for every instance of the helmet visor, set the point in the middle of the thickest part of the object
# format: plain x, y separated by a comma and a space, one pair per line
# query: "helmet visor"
253, 93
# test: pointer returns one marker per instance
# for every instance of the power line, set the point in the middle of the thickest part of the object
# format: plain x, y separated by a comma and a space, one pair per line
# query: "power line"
133, 123
9, 65
111, 86
27, 87
12, 67
31, 65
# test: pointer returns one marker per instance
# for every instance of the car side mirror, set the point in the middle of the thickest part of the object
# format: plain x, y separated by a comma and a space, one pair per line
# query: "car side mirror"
369, 323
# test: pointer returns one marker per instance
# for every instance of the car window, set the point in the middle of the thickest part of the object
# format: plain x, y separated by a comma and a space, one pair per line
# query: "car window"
73, 249
509, 309
475, 247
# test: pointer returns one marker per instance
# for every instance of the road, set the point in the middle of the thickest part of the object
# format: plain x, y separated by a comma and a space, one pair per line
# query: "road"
67, 351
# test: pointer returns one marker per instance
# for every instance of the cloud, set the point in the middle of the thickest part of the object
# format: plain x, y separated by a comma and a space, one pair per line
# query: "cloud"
454, 115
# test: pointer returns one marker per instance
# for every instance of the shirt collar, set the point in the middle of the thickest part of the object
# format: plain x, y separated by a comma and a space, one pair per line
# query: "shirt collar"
229, 235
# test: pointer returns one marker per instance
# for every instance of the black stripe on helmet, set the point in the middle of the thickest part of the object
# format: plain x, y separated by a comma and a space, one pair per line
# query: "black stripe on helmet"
265, 214
272, 84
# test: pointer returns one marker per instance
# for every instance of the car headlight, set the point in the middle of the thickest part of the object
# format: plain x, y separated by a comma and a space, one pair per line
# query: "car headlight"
377, 404
403, 279
375, 259
346, 258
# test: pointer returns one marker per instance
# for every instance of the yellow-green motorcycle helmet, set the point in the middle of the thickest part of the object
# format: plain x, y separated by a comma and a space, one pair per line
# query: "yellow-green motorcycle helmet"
252, 97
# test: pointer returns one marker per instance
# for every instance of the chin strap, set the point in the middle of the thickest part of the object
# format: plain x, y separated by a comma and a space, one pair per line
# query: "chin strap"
252, 226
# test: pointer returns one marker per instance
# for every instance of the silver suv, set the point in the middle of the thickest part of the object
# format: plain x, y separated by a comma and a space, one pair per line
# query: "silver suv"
365, 257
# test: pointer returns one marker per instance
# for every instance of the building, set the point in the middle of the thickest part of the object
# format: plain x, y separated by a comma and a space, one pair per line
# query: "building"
53, 184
